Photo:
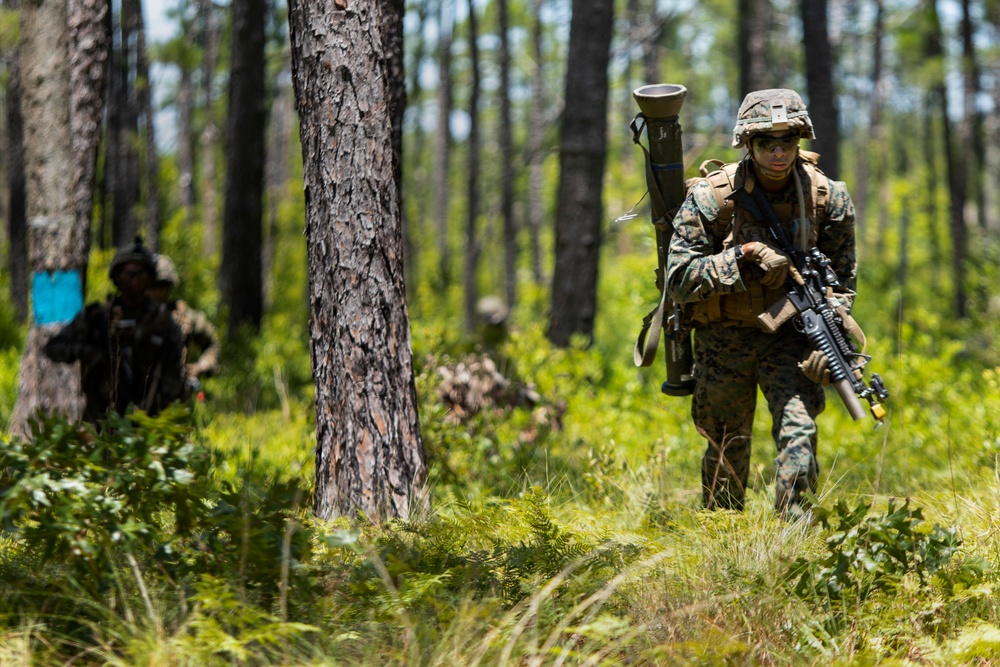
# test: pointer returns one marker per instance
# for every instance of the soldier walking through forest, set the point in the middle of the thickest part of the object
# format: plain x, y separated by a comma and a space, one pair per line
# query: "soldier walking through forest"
201, 341
129, 347
723, 265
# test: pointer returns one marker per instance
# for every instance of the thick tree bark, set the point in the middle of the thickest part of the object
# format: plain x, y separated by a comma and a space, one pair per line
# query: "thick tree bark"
369, 456
581, 172
90, 42
17, 258
57, 244
392, 36
240, 273
819, 80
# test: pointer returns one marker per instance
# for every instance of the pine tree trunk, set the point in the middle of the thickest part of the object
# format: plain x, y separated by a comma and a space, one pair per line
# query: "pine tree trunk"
144, 104
123, 155
369, 456
955, 172
240, 273
581, 172
57, 243
972, 133
536, 142
819, 80
392, 35
507, 158
90, 42
754, 19
210, 130
185, 155
276, 176
443, 143
472, 243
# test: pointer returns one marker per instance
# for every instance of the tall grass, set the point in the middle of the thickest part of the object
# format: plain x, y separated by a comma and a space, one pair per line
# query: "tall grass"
569, 533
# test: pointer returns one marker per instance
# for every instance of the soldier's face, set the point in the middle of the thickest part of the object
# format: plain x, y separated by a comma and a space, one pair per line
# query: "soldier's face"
774, 153
132, 280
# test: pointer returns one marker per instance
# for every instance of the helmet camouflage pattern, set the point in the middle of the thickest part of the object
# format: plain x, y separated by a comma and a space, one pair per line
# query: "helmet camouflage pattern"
135, 253
166, 272
770, 110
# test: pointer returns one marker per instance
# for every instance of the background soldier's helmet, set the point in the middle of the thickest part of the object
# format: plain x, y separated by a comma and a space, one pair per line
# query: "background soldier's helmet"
775, 109
137, 253
166, 272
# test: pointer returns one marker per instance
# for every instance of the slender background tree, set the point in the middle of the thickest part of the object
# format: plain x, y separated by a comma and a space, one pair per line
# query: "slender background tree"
582, 151
240, 273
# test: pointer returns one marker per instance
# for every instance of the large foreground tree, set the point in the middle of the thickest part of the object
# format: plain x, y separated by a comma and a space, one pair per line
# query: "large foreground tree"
57, 244
369, 455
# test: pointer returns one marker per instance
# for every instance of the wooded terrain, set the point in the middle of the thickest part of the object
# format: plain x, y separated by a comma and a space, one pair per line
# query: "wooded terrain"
391, 469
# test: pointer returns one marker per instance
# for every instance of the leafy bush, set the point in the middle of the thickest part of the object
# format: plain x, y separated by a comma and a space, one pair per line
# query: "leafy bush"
869, 552
80, 496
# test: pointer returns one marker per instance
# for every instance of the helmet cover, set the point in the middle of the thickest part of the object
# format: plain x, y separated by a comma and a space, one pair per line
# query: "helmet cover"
166, 272
136, 253
771, 110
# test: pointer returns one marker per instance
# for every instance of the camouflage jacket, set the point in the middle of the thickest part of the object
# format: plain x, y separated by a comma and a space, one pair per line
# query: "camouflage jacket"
701, 264
128, 356
201, 342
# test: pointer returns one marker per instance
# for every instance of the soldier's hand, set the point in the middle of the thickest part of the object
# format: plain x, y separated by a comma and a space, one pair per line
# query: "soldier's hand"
773, 262
816, 368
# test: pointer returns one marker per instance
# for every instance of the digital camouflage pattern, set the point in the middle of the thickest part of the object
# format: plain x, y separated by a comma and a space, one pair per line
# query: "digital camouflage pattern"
733, 356
201, 341
730, 363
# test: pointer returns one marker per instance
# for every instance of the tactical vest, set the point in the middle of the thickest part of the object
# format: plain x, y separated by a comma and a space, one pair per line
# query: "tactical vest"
735, 226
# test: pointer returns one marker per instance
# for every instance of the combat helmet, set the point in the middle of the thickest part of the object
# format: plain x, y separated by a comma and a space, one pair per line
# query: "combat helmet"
769, 110
134, 253
166, 272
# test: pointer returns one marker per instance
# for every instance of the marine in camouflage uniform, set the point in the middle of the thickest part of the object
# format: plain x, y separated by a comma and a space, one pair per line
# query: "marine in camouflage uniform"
721, 266
201, 342
129, 348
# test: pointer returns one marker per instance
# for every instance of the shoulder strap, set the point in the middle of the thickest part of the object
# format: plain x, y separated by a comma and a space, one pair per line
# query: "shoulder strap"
819, 183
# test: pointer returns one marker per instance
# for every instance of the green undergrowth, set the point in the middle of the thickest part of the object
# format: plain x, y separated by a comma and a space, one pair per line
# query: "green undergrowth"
564, 529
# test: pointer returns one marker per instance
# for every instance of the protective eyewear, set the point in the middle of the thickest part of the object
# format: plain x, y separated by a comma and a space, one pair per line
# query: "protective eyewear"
768, 144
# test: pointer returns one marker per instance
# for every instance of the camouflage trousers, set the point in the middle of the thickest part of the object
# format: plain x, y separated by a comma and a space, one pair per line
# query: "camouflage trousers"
730, 363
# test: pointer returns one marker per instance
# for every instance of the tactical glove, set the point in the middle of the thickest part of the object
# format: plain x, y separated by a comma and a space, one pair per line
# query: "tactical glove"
816, 368
774, 263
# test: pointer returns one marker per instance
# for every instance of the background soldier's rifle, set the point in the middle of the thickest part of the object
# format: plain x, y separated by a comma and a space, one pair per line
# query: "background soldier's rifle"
810, 278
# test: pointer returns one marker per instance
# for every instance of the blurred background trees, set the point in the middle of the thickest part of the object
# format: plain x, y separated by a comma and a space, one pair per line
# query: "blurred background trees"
902, 93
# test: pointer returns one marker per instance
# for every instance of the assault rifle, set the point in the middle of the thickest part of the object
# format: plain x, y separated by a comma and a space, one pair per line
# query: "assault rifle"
810, 277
